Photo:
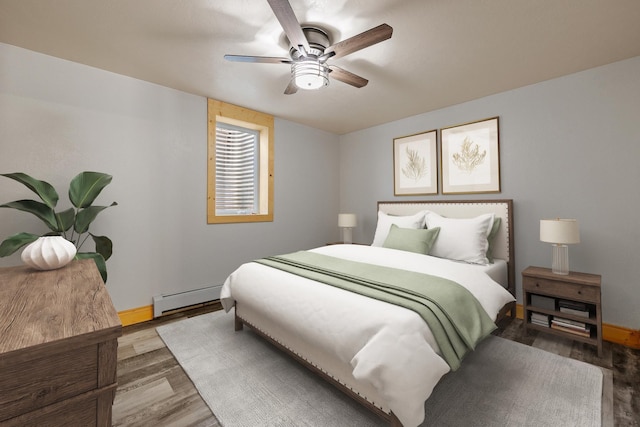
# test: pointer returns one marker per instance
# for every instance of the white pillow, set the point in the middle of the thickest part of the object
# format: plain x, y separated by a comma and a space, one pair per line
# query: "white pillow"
385, 221
461, 239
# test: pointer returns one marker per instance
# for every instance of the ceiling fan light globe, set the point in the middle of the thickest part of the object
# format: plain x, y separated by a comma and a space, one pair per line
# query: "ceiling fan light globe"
309, 74
310, 82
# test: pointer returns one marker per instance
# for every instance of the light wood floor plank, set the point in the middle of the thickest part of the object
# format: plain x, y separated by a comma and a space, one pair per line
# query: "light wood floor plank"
146, 395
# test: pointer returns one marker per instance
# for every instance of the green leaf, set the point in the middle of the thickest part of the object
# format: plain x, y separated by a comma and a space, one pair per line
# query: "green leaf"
66, 219
15, 242
104, 246
85, 217
86, 186
102, 266
43, 189
41, 210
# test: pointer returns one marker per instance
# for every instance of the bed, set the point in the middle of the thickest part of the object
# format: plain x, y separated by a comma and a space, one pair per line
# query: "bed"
383, 355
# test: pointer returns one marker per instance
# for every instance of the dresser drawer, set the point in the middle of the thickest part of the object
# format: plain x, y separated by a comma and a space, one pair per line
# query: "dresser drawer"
80, 411
560, 289
32, 384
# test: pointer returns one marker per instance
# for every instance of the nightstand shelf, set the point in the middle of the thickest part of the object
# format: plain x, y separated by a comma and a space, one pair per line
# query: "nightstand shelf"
547, 295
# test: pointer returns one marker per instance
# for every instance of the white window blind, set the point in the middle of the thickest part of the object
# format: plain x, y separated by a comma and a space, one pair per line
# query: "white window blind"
237, 179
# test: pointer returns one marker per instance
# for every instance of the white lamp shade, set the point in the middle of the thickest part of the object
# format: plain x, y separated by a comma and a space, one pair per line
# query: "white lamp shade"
348, 220
560, 231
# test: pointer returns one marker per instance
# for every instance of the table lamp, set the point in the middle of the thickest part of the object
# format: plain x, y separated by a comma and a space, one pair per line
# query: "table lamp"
561, 232
347, 221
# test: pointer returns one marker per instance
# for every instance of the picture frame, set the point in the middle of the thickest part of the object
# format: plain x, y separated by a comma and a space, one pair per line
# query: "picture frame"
470, 157
415, 164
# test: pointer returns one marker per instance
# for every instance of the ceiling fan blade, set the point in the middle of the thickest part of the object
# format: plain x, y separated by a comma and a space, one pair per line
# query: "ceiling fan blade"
291, 88
347, 77
262, 59
368, 38
287, 18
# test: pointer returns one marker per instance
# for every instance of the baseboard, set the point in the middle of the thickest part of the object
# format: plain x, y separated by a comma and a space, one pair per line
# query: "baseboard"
146, 313
619, 335
612, 333
519, 311
136, 315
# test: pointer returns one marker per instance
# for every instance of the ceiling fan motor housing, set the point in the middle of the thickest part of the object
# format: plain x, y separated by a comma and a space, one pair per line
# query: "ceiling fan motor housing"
318, 41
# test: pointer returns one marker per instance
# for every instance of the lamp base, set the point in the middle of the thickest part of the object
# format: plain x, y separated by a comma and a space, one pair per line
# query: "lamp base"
347, 235
560, 263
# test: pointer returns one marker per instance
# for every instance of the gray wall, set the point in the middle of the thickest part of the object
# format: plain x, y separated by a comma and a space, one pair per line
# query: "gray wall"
569, 147
58, 118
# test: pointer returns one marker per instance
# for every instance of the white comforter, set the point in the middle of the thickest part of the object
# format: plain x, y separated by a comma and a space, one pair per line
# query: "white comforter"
389, 347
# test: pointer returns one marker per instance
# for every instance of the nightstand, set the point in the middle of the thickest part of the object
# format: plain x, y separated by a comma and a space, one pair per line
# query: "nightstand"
567, 306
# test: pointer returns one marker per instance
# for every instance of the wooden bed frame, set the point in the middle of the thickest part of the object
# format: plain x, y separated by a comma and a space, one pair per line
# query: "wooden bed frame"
503, 249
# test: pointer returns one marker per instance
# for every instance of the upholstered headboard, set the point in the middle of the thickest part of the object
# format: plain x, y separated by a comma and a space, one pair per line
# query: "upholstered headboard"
503, 244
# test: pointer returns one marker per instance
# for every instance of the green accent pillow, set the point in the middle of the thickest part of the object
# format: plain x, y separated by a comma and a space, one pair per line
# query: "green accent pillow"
491, 237
411, 240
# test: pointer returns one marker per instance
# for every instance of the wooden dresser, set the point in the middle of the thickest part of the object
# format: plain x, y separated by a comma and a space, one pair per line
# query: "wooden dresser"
58, 347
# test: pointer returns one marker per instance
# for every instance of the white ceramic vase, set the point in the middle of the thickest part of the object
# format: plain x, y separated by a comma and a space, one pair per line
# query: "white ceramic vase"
49, 253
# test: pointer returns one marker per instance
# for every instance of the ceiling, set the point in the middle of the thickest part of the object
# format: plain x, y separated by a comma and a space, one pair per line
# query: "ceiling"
442, 52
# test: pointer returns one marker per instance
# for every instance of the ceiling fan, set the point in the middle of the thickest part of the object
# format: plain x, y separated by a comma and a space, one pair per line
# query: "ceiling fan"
310, 51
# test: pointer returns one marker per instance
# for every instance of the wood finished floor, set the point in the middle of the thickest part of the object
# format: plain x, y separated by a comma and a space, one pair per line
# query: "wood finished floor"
153, 390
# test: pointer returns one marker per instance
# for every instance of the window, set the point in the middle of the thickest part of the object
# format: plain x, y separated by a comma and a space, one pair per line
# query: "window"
240, 164
237, 153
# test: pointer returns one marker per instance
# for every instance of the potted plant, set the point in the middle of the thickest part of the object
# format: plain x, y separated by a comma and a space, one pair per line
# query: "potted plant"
72, 224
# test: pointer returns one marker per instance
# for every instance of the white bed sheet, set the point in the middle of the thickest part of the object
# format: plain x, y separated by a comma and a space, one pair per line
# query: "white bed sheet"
498, 270
389, 348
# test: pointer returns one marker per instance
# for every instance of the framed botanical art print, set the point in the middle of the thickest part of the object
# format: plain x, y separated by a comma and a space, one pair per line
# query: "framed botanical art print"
415, 164
470, 158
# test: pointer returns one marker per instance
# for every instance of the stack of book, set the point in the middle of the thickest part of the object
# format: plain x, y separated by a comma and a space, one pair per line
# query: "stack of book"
540, 319
571, 326
574, 307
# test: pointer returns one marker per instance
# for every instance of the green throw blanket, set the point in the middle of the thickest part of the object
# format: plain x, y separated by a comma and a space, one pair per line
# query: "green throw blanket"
454, 315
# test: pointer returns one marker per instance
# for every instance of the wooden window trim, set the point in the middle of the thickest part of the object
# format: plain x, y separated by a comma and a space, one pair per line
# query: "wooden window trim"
244, 117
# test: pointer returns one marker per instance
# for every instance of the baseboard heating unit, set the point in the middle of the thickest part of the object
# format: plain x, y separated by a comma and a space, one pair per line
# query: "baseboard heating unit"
165, 303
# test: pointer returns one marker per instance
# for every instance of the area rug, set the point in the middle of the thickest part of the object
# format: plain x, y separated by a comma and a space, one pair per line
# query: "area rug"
247, 383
